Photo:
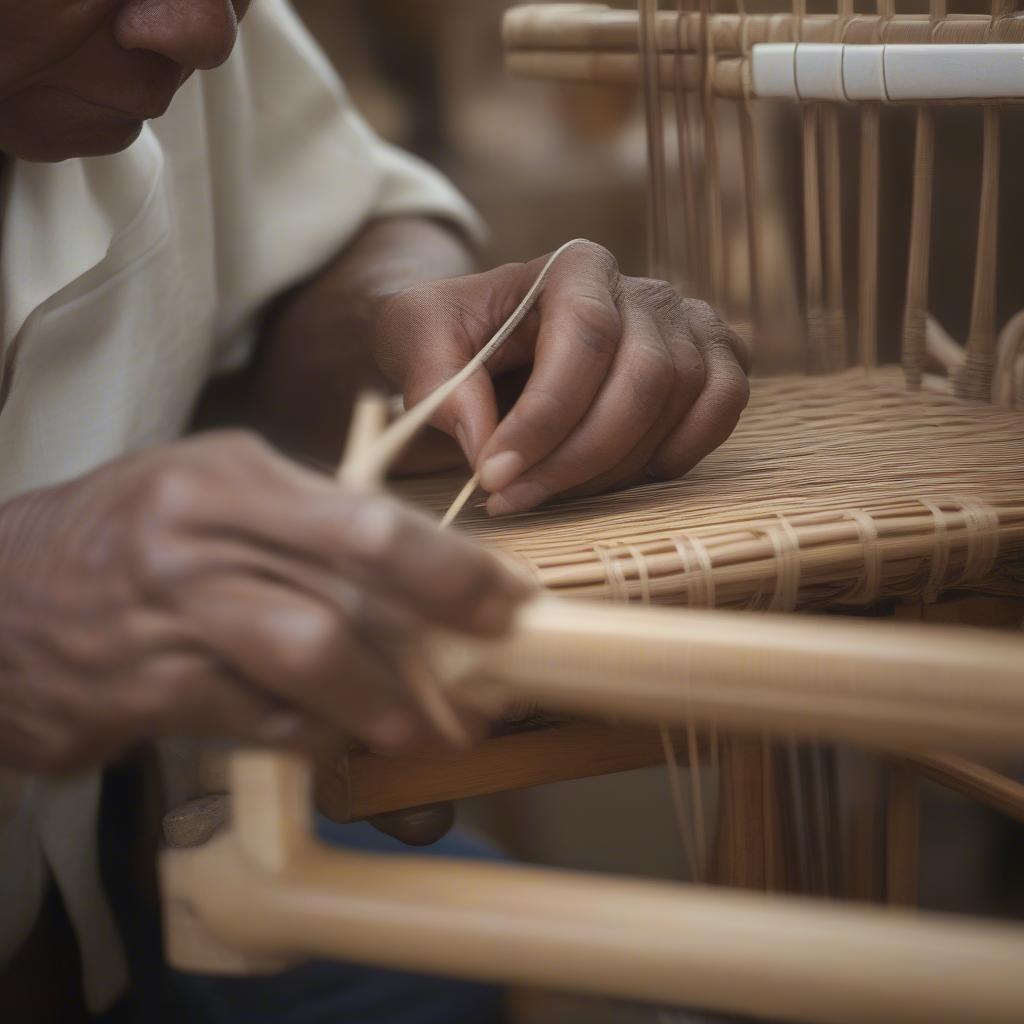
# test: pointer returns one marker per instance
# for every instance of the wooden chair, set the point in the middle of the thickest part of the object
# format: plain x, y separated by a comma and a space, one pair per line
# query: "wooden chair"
842, 488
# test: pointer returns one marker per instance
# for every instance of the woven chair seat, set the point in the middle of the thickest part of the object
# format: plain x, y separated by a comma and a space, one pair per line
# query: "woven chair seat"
838, 489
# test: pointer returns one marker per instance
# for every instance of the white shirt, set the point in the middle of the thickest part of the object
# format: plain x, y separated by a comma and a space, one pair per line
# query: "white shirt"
125, 282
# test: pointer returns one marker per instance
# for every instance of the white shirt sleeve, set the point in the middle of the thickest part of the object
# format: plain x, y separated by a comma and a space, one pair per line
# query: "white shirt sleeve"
296, 171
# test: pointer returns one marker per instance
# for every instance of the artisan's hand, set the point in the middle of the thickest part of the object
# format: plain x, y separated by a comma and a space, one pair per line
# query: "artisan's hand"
213, 588
626, 380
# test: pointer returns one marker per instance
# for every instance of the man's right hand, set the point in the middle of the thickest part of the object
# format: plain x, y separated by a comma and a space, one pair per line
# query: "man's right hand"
213, 588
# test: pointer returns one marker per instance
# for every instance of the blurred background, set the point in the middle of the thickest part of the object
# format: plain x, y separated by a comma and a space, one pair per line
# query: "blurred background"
542, 163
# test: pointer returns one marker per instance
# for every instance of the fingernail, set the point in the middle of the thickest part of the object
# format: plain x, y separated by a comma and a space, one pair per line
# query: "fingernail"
517, 498
500, 470
463, 438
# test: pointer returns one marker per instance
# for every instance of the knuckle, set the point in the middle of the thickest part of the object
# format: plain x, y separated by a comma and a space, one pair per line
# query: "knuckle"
657, 295
168, 492
709, 329
688, 371
241, 445
600, 255
540, 413
317, 643
596, 321
379, 529
654, 380
733, 393
700, 312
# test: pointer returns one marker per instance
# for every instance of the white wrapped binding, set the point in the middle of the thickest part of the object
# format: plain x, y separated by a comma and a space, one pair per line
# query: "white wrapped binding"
864, 72
773, 71
819, 72
955, 72
897, 72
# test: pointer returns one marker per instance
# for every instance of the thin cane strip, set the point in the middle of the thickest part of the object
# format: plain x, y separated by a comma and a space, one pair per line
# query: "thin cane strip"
786, 543
366, 467
796, 805
870, 586
821, 814
768, 814
832, 224
982, 540
941, 550
658, 260
976, 381
683, 824
752, 194
697, 796
716, 252
461, 499
368, 422
834, 823
685, 143
817, 347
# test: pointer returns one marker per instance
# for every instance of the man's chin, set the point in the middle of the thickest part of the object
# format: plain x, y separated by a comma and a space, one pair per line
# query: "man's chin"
111, 136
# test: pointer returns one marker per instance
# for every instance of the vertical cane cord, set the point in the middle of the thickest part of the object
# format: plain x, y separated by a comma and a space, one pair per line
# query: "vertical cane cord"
692, 275
915, 314
975, 382
716, 257
870, 197
751, 188
835, 313
650, 63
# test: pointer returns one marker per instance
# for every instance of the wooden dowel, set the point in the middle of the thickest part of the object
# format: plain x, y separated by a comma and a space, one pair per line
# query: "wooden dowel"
916, 308
657, 224
867, 276
832, 225
975, 781
572, 27
361, 784
976, 381
625, 938
818, 360
694, 229
873, 683
902, 816
754, 215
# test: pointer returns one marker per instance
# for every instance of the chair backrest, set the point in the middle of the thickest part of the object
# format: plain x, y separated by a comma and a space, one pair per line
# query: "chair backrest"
811, 216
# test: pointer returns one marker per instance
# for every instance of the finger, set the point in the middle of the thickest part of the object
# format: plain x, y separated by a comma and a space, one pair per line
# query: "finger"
643, 380
470, 415
370, 542
188, 693
305, 656
428, 333
712, 418
578, 336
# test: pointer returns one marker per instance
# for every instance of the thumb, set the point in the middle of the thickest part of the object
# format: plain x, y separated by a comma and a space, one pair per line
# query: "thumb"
471, 414
429, 332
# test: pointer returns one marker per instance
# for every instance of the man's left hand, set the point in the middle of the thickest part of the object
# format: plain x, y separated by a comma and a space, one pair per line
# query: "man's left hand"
625, 380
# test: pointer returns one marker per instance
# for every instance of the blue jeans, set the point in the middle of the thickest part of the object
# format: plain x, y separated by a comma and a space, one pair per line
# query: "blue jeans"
333, 993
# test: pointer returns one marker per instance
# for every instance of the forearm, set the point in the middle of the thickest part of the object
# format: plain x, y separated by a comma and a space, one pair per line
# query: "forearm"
315, 353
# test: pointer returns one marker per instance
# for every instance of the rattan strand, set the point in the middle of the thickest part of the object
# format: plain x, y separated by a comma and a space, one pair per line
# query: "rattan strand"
939, 480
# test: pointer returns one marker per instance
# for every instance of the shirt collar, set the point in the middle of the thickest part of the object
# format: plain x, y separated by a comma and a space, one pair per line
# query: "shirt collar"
61, 220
